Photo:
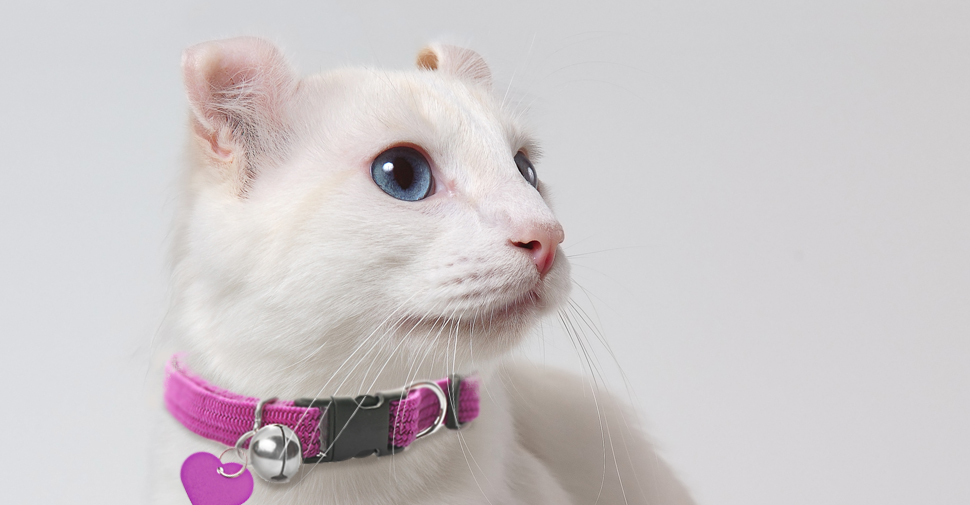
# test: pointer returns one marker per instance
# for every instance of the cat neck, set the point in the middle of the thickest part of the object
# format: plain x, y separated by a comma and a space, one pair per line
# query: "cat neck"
342, 359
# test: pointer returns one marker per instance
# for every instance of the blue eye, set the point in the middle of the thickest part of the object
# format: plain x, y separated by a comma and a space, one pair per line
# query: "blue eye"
526, 169
403, 173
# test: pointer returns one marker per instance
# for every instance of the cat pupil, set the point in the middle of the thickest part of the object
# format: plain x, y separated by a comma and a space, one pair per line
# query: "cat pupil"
403, 173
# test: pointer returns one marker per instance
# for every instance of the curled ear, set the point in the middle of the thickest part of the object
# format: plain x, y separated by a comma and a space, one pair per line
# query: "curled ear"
237, 89
457, 61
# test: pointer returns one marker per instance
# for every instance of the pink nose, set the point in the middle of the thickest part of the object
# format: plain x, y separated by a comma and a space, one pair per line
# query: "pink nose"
541, 243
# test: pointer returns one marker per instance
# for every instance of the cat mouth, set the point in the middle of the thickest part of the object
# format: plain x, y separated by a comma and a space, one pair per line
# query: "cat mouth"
520, 310
529, 302
480, 316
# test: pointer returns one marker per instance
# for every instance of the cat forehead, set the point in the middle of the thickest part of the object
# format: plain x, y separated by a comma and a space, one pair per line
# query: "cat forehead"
444, 115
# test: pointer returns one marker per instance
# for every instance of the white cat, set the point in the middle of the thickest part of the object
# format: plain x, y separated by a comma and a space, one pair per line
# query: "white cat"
358, 230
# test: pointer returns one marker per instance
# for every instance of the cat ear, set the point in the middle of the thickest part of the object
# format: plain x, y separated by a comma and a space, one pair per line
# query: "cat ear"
237, 89
457, 61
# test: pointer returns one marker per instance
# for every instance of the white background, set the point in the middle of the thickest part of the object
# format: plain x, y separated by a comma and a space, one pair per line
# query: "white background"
769, 204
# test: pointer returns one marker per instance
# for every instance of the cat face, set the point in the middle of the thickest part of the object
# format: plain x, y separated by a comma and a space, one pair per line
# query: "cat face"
397, 209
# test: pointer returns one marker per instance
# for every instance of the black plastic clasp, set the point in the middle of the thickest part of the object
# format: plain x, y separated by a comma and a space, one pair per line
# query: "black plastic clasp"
453, 392
356, 427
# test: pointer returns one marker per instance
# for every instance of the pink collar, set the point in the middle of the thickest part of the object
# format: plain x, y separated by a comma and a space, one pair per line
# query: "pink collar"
330, 429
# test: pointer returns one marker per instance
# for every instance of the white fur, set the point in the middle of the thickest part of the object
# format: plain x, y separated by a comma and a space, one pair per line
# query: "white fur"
296, 276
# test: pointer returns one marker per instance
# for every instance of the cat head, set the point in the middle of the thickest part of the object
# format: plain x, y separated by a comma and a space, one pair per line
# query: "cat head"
359, 211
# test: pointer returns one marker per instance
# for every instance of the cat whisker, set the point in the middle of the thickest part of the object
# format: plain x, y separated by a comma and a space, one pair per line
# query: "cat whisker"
465, 448
629, 390
588, 321
590, 366
377, 341
419, 321
407, 379
601, 251
467, 453
389, 358
386, 319
597, 378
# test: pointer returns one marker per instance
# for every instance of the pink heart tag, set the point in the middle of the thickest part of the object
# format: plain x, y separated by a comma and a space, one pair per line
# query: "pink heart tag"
205, 486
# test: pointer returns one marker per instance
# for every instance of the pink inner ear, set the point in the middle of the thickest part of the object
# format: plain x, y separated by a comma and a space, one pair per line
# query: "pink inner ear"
244, 75
218, 147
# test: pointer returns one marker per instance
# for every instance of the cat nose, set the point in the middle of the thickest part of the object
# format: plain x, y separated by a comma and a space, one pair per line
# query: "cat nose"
540, 242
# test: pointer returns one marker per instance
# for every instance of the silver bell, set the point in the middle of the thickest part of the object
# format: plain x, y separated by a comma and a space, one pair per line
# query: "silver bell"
275, 453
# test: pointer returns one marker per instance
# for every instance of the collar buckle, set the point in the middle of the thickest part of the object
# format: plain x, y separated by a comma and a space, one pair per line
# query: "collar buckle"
355, 427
